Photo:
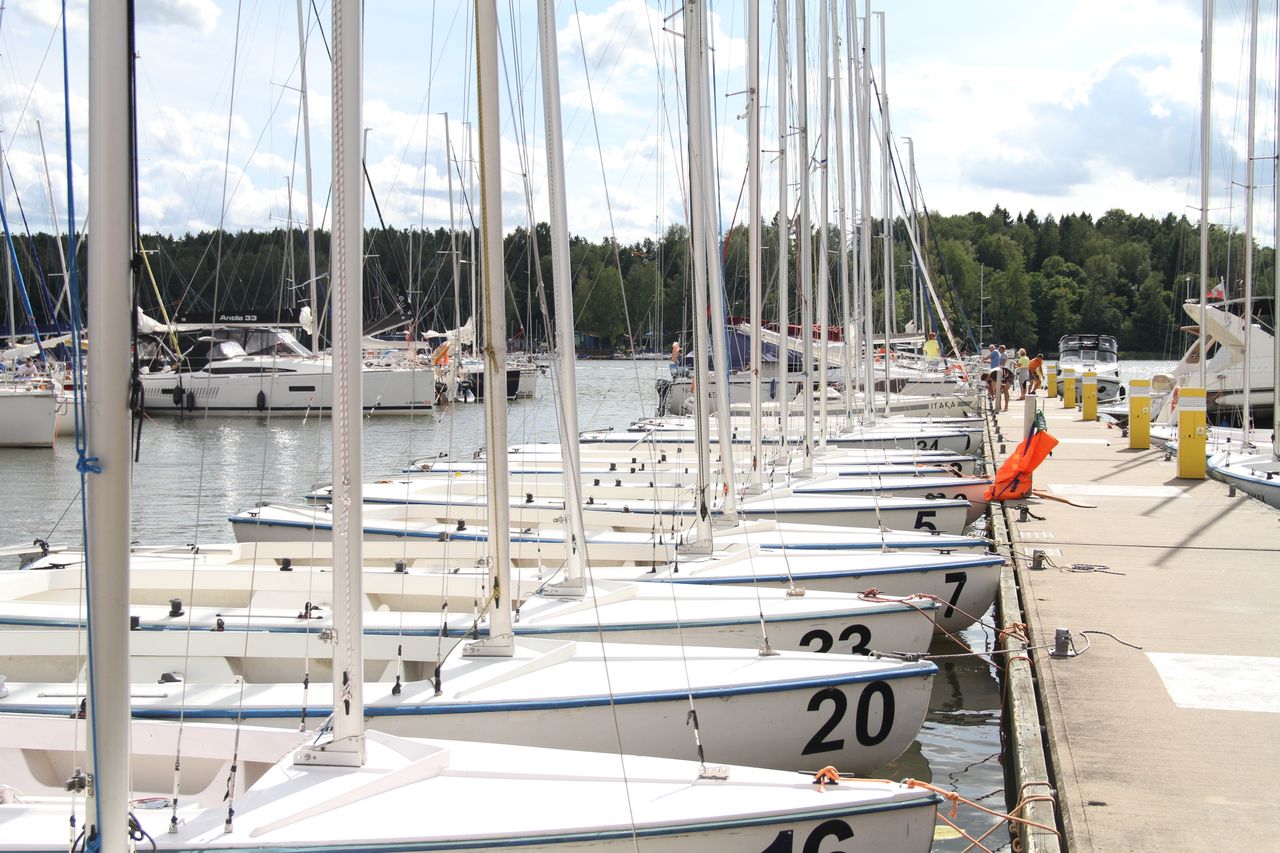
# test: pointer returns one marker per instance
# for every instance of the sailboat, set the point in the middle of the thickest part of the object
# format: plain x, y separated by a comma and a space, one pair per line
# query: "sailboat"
635, 696
1252, 470
30, 403
235, 791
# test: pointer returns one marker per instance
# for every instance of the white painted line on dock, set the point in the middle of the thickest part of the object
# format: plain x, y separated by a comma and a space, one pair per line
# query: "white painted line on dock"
1220, 682
1096, 490
1048, 552
1035, 534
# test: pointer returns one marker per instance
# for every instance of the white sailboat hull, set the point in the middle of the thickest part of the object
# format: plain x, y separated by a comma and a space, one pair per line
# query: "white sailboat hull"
1256, 474
303, 531
639, 514
551, 800
786, 711
29, 416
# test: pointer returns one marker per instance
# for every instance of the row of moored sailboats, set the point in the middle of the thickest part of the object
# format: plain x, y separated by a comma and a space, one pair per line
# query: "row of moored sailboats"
607, 643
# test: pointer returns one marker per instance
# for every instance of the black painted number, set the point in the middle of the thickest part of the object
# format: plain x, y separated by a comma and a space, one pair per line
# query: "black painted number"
822, 740
819, 742
823, 638
784, 842
923, 522
959, 579
863, 633
924, 444
825, 641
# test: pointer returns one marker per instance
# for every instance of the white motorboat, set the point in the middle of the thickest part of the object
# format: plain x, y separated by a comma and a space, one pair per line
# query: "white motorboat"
1097, 353
1225, 337
265, 370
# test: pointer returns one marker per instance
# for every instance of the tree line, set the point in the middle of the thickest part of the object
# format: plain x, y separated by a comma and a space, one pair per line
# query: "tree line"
1019, 280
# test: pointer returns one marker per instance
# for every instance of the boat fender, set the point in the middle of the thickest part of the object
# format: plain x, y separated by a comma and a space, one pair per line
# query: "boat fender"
191, 401
262, 401
178, 395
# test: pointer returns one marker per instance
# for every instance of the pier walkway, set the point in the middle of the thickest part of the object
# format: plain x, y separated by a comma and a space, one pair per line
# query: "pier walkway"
1174, 745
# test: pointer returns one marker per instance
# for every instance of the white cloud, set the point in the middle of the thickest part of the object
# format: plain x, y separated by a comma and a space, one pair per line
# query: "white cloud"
199, 15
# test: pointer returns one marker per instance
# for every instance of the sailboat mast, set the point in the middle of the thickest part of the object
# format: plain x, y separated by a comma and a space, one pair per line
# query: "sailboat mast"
561, 285
1275, 298
917, 295
698, 237
107, 422
784, 228
8, 262
754, 483
306, 156
455, 350
850, 333
57, 229
346, 323
1247, 385
1206, 87
824, 275
864, 176
890, 320
501, 641
715, 274
804, 239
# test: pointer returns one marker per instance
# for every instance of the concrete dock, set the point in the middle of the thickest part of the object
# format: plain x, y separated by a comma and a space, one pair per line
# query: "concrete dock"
1162, 728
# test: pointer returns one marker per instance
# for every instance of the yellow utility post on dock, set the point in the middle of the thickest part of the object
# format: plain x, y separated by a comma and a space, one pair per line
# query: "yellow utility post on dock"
1090, 395
1140, 414
1051, 378
1191, 434
1069, 388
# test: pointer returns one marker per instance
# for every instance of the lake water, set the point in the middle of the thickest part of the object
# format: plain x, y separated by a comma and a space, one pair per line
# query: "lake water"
194, 472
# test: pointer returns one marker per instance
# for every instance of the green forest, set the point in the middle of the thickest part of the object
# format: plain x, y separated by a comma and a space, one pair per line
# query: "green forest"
1024, 279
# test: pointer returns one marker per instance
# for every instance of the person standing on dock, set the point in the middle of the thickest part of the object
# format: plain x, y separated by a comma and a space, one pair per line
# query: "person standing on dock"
1036, 366
993, 377
1024, 373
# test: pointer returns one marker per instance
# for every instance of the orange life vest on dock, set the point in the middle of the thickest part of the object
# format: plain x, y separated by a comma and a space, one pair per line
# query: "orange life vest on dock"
1013, 480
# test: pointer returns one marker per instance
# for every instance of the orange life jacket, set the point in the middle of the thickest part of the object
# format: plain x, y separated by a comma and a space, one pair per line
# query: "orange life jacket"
1013, 480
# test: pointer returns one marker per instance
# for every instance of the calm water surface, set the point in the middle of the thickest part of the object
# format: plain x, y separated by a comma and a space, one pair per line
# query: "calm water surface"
194, 472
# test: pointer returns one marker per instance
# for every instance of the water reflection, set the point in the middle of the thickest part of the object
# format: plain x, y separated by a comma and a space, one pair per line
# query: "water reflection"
958, 749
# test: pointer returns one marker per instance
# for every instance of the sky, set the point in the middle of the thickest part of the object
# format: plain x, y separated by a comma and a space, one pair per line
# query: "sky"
1054, 107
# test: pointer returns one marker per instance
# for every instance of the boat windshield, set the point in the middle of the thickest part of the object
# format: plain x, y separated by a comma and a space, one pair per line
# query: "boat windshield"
272, 342
219, 350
